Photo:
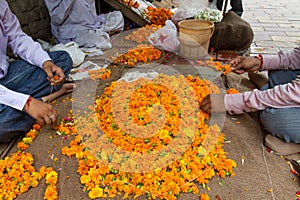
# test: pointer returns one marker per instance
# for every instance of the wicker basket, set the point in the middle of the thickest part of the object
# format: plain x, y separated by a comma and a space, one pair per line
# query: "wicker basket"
194, 36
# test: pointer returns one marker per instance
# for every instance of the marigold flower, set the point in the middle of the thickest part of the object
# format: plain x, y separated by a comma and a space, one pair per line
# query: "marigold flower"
96, 192
232, 91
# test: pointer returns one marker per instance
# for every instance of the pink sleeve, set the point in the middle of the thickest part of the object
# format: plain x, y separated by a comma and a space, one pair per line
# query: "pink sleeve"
282, 60
282, 96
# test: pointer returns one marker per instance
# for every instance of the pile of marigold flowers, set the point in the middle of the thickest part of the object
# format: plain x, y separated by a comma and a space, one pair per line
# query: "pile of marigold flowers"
141, 34
140, 54
18, 174
158, 16
130, 3
197, 165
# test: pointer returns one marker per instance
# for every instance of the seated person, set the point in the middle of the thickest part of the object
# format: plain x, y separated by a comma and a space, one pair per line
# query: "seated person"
27, 85
278, 99
77, 20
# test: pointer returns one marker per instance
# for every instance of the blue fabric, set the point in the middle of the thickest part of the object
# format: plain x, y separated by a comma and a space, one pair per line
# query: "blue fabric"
282, 122
28, 79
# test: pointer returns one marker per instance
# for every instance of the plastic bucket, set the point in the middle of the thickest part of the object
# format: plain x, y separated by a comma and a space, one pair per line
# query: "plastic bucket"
194, 37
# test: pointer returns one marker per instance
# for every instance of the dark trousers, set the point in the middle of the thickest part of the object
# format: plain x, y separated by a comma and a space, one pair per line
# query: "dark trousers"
236, 6
28, 79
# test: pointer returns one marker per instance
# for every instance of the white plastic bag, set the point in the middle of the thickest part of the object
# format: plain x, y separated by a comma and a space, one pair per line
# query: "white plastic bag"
132, 76
82, 72
188, 8
74, 51
166, 37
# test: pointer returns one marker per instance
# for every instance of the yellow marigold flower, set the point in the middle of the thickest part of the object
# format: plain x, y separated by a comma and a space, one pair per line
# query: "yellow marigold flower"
52, 178
27, 140
96, 192
85, 179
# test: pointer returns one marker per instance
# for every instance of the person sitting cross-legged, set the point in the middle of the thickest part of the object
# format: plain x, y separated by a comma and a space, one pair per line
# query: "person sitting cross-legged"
30, 82
77, 21
278, 100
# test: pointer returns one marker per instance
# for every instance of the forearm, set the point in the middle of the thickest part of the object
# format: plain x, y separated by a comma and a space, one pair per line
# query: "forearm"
12, 99
282, 96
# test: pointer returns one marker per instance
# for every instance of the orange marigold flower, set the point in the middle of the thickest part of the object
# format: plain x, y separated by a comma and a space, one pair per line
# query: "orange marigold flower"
22, 146
51, 193
232, 91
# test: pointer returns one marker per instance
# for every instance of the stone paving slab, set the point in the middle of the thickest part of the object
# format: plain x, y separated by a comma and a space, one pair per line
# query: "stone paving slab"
276, 24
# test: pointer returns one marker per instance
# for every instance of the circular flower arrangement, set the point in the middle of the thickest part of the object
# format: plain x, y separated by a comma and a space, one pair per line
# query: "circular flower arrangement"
127, 143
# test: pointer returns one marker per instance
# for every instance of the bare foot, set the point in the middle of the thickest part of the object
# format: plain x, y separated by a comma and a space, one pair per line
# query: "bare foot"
65, 88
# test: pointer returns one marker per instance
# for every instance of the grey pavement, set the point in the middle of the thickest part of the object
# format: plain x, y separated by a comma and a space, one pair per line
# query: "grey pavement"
276, 24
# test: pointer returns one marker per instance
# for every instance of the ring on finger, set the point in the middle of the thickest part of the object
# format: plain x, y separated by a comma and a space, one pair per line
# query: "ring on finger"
51, 116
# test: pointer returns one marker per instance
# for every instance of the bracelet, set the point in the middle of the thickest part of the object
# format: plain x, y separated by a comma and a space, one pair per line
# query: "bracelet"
260, 58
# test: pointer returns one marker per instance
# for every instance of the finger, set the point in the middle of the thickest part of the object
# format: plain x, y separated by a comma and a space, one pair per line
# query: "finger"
58, 78
239, 71
207, 110
206, 107
49, 73
235, 60
204, 102
55, 116
41, 121
48, 119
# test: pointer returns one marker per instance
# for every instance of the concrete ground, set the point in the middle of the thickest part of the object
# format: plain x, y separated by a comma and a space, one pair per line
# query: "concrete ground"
276, 24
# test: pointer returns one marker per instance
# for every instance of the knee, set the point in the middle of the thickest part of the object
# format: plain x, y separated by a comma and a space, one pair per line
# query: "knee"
62, 59
285, 129
66, 58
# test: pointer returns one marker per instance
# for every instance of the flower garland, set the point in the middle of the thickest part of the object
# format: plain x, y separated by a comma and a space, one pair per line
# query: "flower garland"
141, 34
194, 166
142, 53
225, 68
18, 175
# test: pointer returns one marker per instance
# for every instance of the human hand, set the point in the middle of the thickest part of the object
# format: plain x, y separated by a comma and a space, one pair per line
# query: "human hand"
213, 103
55, 74
241, 64
43, 113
